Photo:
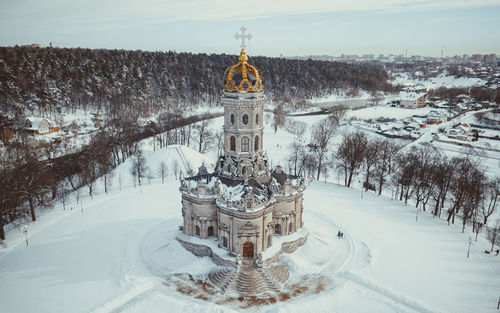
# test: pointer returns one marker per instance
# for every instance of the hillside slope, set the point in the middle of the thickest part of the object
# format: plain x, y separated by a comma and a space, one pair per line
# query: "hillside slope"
116, 252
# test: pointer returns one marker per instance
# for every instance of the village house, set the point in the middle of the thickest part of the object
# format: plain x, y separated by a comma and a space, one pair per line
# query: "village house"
40, 126
435, 117
460, 132
412, 100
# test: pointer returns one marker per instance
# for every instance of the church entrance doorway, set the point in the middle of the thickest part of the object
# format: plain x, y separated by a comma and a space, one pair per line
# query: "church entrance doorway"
248, 250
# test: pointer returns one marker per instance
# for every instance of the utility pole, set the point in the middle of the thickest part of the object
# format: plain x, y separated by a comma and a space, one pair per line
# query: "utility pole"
470, 243
26, 233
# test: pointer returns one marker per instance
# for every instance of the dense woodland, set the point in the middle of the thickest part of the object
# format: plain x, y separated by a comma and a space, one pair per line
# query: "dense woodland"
51, 80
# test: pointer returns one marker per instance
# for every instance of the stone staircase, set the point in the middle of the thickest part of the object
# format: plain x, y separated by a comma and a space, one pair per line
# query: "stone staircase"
248, 279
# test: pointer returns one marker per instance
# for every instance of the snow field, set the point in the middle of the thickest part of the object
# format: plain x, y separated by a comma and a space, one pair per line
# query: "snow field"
115, 256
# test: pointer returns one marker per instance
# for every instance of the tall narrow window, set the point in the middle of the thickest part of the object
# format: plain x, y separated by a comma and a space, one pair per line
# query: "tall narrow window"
232, 143
245, 144
244, 119
277, 229
211, 231
269, 240
256, 145
224, 241
232, 119
197, 230
290, 230
257, 119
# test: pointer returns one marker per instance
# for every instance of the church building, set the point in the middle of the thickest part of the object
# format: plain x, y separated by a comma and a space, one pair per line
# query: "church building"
243, 203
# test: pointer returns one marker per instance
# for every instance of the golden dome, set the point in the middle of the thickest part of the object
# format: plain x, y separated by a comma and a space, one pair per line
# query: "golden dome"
243, 76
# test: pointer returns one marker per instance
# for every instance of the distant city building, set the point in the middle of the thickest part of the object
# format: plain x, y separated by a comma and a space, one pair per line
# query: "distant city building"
349, 57
477, 57
33, 45
489, 58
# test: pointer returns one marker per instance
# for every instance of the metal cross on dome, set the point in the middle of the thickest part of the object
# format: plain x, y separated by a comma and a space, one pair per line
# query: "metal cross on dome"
243, 36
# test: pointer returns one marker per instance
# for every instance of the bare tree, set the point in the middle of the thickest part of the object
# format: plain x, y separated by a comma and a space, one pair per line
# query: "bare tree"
488, 204
89, 172
297, 153
219, 140
423, 181
386, 162
139, 165
279, 117
493, 234
321, 135
443, 176
203, 136
461, 184
175, 167
63, 193
408, 164
350, 154
370, 160
162, 171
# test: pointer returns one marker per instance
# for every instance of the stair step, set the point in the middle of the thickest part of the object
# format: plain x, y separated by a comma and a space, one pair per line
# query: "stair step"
249, 279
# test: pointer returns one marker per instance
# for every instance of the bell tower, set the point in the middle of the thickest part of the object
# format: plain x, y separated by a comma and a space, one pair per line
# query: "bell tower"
243, 101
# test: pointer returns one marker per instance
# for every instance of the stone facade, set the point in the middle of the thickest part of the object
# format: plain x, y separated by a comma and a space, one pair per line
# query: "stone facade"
243, 203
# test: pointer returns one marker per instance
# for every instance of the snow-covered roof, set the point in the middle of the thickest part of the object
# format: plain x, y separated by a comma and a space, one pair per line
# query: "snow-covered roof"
35, 122
410, 96
434, 113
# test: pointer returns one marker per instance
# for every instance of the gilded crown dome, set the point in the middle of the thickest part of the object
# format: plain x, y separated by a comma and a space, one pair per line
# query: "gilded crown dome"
243, 76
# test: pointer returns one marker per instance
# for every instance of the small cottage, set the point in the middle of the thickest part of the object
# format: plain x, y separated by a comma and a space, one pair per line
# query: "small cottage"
40, 125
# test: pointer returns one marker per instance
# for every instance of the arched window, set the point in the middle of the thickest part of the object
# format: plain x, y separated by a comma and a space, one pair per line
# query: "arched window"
245, 144
290, 230
257, 119
277, 229
232, 143
256, 144
197, 230
211, 231
232, 119
244, 170
224, 242
244, 119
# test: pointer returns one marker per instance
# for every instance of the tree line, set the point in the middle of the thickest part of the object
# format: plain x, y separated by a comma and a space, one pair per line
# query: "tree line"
47, 81
445, 186
31, 176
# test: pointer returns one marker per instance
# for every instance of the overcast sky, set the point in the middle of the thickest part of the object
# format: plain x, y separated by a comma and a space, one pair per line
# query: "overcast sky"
308, 27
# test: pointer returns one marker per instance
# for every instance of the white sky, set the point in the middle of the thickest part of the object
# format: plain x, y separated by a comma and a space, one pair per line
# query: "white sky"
278, 27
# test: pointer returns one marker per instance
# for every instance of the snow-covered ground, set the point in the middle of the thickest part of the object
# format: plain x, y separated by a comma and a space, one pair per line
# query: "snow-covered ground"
387, 112
442, 80
117, 253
